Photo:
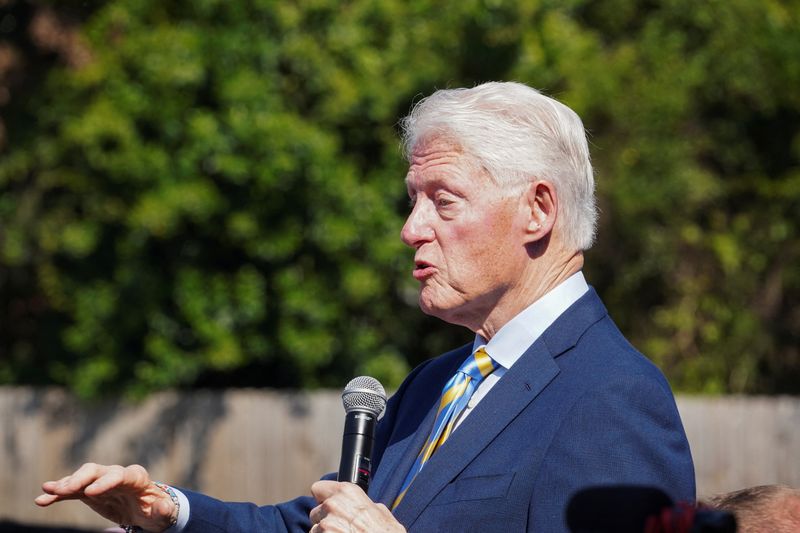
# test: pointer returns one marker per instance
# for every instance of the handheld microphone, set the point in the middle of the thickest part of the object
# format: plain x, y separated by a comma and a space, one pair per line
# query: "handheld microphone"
364, 400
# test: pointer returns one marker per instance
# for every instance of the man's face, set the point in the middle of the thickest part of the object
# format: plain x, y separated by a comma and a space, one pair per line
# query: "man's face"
468, 235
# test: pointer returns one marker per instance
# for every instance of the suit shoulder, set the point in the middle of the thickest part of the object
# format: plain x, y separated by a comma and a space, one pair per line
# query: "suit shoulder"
605, 350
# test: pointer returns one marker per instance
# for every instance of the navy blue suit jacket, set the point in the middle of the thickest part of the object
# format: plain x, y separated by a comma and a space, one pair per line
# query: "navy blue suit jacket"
580, 408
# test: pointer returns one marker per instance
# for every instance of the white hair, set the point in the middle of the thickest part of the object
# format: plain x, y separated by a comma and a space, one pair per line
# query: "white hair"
517, 135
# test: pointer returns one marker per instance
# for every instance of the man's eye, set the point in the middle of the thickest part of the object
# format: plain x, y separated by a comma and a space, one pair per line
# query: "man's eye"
443, 202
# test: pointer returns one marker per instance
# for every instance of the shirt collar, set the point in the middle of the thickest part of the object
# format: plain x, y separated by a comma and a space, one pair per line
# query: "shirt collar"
514, 338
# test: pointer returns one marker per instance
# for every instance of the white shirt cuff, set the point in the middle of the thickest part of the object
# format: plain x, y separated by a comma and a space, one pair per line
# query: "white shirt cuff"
183, 513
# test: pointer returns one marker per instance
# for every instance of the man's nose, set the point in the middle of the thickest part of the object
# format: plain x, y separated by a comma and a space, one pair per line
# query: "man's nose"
416, 230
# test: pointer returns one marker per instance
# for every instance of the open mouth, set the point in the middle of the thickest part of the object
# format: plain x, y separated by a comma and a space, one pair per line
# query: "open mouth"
423, 270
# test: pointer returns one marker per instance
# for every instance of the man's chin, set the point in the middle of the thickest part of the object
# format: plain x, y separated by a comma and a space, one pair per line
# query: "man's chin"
428, 307
436, 309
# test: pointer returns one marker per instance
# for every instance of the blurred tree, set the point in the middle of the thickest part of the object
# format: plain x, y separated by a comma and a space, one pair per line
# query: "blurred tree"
209, 193
697, 125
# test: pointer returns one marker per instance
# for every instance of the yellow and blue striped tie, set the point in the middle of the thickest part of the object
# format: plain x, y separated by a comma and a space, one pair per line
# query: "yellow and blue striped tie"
455, 396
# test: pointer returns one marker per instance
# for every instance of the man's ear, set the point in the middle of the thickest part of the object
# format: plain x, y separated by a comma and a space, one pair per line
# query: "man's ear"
541, 209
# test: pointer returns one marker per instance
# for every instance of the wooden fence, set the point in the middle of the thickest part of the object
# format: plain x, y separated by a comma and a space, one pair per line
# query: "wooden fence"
265, 446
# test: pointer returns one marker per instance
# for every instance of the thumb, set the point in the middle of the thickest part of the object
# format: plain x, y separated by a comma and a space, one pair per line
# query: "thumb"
322, 490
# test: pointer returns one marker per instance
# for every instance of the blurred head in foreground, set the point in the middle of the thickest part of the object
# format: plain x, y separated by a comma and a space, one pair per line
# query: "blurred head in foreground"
765, 508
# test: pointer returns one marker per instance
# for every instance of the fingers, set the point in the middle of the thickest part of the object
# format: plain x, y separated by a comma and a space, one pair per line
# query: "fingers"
108, 478
70, 487
333, 498
344, 507
124, 495
92, 480
43, 500
322, 490
316, 515
48, 487
134, 477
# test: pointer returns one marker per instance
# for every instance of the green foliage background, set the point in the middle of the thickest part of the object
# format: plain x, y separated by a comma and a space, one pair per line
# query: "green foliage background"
211, 194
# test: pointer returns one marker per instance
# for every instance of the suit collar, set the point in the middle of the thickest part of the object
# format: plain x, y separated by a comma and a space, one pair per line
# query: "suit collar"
511, 340
570, 327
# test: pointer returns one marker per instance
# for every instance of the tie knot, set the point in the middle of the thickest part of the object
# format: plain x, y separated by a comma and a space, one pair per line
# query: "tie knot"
478, 365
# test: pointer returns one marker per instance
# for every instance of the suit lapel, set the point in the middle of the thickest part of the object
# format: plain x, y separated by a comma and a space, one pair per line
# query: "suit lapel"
520, 385
397, 461
529, 376
400, 455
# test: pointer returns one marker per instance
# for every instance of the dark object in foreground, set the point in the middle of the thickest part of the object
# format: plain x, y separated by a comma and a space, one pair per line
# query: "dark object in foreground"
13, 527
640, 509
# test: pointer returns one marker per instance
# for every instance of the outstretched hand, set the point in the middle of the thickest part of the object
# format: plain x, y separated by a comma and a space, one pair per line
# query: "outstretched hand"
345, 508
125, 495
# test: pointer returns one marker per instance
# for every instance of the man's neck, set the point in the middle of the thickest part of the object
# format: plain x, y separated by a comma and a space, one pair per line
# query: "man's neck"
535, 283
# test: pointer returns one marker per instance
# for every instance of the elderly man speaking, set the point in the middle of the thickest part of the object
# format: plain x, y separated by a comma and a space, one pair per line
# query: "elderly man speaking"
497, 435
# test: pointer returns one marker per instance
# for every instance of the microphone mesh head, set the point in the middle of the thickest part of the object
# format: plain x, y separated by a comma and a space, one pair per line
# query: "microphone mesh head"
364, 394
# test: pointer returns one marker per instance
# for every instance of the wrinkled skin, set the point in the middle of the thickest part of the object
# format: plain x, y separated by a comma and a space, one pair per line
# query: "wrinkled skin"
125, 495
345, 508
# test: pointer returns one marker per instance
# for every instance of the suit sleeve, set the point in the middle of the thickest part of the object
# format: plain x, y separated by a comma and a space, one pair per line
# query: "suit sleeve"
625, 432
209, 515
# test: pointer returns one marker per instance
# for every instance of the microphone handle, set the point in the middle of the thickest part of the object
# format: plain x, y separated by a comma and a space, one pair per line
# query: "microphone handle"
357, 444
